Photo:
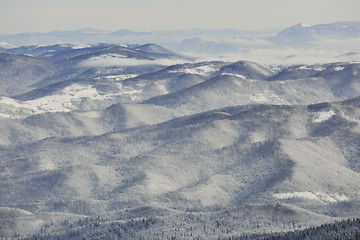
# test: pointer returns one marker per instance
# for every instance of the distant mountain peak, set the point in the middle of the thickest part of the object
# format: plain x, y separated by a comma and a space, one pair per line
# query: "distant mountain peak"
303, 33
302, 26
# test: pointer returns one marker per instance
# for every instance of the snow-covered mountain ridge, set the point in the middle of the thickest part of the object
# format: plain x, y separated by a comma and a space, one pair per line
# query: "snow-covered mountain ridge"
139, 142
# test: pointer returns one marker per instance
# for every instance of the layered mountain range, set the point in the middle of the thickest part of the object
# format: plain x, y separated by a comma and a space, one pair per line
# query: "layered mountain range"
140, 142
337, 41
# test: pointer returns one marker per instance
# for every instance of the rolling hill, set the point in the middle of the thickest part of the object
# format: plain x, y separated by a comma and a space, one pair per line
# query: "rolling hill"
138, 142
251, 155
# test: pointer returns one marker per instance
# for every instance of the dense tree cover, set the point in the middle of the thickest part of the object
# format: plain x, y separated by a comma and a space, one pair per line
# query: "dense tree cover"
98, 228
346, 229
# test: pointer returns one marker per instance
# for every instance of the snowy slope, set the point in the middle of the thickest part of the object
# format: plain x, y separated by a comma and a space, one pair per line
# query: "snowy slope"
18, 72
27, 68
101, 92
34, 127
106, 145
250, 155
304, 84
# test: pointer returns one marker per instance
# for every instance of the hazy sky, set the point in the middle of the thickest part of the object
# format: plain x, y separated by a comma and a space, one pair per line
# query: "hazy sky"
150, 15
